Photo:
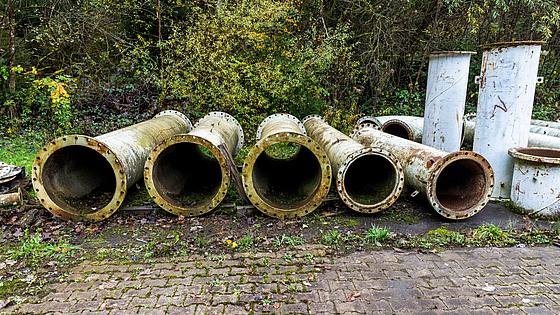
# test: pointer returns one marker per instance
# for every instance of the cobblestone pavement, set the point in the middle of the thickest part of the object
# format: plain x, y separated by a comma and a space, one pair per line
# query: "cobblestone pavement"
306, 281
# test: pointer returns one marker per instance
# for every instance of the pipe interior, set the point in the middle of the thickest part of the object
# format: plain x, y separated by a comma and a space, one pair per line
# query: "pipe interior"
461, 185
398, 130
370, 179
79, 179
289, 180
187, 174
537, 152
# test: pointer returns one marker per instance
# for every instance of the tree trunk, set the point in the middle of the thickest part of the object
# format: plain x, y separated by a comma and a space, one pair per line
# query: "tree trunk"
12, 56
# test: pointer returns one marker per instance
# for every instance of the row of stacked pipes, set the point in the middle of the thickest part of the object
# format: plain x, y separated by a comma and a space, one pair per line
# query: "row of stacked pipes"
187, 169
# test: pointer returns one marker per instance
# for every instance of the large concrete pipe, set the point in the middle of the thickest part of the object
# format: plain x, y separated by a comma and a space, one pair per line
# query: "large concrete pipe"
545, 123
505, 101
82, 178
536, 181
535, 140
457, 185
286, 173
368, 179
446, 92
187, 174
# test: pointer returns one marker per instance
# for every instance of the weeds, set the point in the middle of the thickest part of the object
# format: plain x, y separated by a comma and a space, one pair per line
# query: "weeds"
375, 234
35, 249
331, 238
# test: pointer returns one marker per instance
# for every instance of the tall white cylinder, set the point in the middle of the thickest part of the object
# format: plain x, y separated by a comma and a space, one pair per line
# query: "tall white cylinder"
446, 91
508, 77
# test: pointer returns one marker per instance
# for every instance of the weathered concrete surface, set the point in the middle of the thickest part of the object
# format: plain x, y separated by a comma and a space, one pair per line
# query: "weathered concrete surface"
306, 281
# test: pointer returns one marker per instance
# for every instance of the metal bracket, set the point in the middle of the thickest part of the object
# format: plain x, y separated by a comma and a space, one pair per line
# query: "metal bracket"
540, 79
477, 79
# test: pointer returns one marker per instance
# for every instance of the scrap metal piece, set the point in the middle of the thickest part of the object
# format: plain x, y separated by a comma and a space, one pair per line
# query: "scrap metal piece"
446, 90
77, 177
505, 101
12, 199
187, 174
368, 179
286, 173
457, 185
536, 181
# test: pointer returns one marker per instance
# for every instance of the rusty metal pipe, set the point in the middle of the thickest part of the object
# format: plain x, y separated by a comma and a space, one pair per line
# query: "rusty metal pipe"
11, 199
286, 173
187, 174
83, 178
457, 185
368, 179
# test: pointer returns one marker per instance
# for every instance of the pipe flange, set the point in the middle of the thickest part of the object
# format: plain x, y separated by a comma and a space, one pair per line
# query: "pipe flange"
54, 202
369, 119
168, 203
275, 116
362, 126
297, 210
312, 116
229, 118
480, 196
178, 114
384, 203
537, 155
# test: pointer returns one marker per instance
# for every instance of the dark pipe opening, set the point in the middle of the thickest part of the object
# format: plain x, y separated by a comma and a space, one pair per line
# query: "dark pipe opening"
370, 179
79, 178
397, 129
287, 181
538, 152
461, 185
187, 174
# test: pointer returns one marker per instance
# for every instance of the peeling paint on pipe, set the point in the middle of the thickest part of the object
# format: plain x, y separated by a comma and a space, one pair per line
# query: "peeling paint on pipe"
291, 184
457, 185
536, 181
187, 174
505, 101
77, 177
368, 179
446, 92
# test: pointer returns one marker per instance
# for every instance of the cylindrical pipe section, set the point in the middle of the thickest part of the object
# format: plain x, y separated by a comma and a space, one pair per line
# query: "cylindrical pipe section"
11, 199
82, 178
286, 173
406, 127
546, 131
371, 120
536, 181
545, 123
368, 179
457, 185
187, 174
446, 91
535, 140
505, 101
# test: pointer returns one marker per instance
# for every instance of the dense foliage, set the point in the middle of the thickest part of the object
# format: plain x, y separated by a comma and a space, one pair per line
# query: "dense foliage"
95, 65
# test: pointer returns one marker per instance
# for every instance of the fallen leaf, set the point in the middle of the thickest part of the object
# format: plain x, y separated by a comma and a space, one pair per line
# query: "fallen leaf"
12, 220
398, 250
433, 251
353, 296
311, 278
276, 305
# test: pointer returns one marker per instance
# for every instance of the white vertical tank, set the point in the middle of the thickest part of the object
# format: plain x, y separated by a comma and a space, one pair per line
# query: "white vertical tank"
446, 91
505, 100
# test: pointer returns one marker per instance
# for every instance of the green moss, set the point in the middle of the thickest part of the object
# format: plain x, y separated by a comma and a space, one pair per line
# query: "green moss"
8, 288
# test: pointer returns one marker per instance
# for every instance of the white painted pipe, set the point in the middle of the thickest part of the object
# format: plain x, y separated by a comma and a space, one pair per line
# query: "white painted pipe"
535, 140
446, 92
547, 131
536, 181
544, 123
505, 101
